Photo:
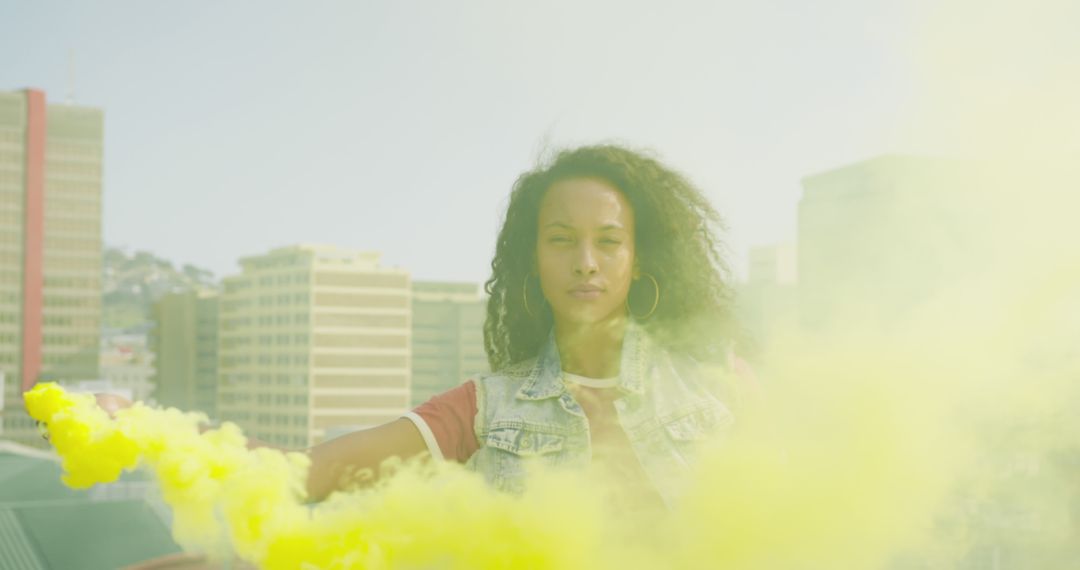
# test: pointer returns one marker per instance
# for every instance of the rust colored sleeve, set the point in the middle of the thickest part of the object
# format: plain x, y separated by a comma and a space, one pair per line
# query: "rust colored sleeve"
450, 417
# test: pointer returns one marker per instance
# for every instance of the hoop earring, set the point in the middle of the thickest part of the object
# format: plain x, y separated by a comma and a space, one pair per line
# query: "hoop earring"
525, 295
656, 300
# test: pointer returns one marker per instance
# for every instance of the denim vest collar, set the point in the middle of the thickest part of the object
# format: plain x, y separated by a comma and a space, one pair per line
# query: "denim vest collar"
545, 378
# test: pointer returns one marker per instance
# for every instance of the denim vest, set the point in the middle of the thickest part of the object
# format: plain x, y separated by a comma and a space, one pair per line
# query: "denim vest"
669, 403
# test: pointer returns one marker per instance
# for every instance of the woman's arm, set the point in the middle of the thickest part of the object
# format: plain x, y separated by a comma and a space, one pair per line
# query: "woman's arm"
354, 458
340, 463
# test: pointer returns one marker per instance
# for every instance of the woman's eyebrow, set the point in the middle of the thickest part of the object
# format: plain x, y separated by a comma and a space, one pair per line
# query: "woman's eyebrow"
606, 227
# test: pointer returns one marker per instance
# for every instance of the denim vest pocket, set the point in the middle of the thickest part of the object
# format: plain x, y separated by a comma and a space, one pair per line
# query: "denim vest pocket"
700, 424
523, 441
511, 446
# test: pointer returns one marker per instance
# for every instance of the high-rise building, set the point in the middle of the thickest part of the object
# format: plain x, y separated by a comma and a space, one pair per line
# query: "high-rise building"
774, 264
313, 340
880, 237
50, 247
184, 342
447, 336
767, 300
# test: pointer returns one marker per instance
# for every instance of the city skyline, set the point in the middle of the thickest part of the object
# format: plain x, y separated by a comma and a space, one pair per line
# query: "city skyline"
740, 272
339, 135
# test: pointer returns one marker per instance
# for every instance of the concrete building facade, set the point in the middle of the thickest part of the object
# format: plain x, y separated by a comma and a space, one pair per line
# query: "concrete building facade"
767, 301
184, 341
880, 237
447, 336
50, 247
313, 340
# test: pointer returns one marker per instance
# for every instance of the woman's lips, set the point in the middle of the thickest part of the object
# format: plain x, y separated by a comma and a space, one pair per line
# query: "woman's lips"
586, 293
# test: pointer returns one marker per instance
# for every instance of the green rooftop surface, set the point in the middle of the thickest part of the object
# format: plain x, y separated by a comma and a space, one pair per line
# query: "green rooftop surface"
44, 525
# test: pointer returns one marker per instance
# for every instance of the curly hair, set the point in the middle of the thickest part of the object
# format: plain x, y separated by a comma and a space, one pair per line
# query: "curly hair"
676, 242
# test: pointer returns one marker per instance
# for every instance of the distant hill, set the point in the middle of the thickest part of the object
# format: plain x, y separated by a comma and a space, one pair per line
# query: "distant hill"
133, 282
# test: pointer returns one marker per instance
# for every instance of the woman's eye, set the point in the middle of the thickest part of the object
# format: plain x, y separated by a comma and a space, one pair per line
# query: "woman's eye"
559, 239
611, 241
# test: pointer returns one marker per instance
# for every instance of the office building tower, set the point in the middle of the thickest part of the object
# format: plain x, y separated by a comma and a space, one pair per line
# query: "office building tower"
447, 336
882, 237
313, 341
50, 247
184, 341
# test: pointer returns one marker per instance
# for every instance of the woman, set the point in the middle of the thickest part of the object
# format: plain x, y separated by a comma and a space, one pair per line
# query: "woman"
608, 332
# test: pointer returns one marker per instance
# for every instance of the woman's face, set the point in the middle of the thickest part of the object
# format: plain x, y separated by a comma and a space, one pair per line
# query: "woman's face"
585, 250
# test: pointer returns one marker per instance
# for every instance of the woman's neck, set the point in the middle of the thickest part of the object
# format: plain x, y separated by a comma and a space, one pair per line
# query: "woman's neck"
592, 350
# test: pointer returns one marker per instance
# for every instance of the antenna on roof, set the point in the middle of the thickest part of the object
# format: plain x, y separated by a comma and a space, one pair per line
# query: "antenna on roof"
71, 77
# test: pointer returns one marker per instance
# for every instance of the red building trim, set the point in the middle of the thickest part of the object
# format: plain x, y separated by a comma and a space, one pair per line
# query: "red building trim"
33, 238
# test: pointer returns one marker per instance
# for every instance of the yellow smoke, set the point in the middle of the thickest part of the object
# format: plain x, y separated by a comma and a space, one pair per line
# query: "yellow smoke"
423, 516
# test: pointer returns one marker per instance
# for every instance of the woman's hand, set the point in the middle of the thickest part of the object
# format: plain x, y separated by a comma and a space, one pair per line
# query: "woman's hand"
112, 403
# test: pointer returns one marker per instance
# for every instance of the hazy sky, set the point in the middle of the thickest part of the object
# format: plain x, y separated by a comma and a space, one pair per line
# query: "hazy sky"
236, 127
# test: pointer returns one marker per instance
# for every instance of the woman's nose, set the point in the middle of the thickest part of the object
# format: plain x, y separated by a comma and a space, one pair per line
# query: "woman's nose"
585, 263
